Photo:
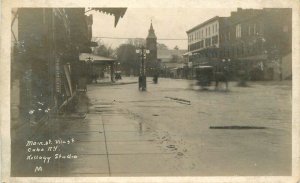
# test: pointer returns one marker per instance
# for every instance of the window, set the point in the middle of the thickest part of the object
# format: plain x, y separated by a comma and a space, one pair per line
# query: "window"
213, 28
228, 35
249, 30
201, 44
208, 31
238, 31
254, 29
215, 39
207, 42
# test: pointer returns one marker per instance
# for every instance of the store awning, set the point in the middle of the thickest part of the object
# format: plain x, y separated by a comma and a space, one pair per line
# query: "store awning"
96, 59
117, 12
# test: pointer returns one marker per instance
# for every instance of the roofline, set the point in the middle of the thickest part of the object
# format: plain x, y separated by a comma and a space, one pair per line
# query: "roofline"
204, 23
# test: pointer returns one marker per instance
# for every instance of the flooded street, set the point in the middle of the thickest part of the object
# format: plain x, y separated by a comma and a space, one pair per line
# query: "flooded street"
181, 116
173, 128
150, 92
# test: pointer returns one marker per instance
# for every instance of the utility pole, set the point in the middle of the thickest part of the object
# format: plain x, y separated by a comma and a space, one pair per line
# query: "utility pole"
142, 78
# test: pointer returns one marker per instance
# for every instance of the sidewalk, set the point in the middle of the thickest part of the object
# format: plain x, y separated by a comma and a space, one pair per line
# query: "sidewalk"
124, 80
110, 143
107, 142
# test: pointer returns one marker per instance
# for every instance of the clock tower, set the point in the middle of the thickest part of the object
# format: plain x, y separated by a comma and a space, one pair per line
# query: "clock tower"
151, 41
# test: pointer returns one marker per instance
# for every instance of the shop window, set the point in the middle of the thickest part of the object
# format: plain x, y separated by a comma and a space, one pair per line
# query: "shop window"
238, 31
215, 40
208, 42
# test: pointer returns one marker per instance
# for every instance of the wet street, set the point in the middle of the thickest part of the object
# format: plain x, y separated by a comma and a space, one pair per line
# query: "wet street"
174, 129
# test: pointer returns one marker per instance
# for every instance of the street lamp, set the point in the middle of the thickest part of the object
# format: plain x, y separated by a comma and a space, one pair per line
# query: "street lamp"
90, 61
142, 52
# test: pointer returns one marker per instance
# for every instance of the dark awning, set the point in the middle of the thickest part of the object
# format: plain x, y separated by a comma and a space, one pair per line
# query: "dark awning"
117, 12
96, 59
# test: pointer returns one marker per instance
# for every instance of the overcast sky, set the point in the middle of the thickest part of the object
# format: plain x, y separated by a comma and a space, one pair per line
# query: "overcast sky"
168, 23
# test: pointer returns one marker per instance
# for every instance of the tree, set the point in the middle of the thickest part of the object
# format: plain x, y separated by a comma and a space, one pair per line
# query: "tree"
103, 49
137, 42
128, 59
161, 46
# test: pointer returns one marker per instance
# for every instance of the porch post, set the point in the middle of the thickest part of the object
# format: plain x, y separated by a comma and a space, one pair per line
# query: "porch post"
112, 72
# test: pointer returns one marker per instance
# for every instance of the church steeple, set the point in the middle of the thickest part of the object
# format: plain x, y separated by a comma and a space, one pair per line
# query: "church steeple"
151, 45
151, 32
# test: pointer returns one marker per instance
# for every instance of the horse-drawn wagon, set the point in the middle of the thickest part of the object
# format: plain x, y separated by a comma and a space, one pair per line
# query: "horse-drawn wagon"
206, 74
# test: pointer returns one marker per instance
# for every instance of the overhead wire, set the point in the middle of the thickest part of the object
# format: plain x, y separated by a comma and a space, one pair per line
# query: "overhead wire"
164, 39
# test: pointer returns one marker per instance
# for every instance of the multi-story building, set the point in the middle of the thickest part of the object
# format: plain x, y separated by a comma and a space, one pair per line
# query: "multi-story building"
204, 41
257, 41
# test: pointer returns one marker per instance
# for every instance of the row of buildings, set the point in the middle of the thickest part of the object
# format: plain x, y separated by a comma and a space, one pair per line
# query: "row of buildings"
45, 48
258, 41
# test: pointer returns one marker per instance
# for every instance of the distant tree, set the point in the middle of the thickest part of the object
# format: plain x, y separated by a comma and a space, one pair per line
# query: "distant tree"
128, 58
103, 50
176, 48
161, 46
137, 42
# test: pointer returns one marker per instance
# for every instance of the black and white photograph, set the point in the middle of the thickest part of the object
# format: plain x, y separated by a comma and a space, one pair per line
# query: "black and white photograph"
151, 91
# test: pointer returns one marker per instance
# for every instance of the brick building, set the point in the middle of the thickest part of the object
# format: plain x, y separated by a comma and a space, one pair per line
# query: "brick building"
255, 40
258, 41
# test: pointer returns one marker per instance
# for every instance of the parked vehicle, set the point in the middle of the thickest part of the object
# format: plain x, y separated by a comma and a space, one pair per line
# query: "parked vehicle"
204, 75
118, 75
